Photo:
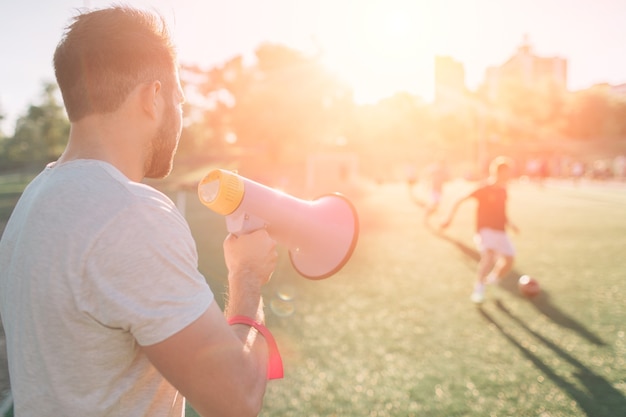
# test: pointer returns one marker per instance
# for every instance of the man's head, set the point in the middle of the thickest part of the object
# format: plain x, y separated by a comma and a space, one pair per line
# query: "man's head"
501, 168
107, 54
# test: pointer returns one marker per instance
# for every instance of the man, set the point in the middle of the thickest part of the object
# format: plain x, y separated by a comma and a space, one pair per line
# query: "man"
103, 307
496, 250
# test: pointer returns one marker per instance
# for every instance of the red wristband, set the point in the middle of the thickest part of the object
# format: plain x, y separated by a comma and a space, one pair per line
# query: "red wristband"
275, 362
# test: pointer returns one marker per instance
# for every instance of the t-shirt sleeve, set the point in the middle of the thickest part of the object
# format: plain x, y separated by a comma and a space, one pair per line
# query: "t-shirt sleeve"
142, 274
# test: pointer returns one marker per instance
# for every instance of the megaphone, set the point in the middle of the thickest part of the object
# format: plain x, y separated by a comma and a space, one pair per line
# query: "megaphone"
320, 234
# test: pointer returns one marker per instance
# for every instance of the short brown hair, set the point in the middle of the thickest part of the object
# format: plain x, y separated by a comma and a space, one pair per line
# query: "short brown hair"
500, 163
105, 54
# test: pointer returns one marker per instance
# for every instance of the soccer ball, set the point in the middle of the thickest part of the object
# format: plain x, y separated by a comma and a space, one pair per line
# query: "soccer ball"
528, 286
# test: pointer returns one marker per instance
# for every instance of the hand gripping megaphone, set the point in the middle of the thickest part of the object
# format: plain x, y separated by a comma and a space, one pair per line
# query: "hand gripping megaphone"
320, 234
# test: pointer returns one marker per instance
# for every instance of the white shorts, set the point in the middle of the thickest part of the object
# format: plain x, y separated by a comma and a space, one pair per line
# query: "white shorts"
435, 197
495, 240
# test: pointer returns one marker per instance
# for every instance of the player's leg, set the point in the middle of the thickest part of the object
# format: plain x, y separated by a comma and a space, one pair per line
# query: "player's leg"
505, 257
485, 265
502, 266
490, 244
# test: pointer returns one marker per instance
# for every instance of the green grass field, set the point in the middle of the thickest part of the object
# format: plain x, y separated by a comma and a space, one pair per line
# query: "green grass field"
394, 332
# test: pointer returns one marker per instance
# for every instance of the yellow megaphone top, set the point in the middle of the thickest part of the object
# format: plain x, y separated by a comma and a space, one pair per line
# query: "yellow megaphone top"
221, 191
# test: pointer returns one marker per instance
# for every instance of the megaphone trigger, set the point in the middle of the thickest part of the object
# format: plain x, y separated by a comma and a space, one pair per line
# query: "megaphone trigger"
243, 223
320, 235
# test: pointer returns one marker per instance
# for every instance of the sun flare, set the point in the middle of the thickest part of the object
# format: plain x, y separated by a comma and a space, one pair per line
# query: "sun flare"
382, 49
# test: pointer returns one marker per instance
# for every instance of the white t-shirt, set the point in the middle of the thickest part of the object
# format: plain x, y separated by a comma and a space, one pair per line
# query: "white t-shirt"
92, 265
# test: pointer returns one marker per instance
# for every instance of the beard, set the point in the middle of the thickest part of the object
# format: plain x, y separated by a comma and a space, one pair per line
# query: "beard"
163, 146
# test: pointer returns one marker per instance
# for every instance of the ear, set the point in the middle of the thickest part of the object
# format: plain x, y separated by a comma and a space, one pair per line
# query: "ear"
149, 94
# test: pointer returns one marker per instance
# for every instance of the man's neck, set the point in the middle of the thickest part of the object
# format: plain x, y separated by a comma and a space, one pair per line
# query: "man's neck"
100, 138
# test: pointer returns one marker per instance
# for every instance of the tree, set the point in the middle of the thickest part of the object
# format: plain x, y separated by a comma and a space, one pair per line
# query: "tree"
588, 114
40, 135
2, 117
390, 133
282, 106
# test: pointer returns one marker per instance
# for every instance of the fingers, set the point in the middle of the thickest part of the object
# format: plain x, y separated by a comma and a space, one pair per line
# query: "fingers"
253, 254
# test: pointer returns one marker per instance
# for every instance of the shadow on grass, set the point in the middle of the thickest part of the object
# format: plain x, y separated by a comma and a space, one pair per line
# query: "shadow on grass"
415, 199
542, 302
599, 399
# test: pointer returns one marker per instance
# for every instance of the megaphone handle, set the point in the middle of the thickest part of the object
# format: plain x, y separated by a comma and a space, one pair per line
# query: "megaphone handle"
243, 223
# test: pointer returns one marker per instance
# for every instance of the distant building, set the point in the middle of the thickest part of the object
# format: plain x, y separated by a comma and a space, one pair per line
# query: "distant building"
526, 68
450, 89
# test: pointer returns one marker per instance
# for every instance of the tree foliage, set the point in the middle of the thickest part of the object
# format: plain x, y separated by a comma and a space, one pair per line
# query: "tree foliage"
596, 114
40, 135
282, 105
285, 105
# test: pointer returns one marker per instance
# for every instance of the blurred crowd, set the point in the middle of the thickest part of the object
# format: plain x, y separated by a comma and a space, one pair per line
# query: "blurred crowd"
565, 167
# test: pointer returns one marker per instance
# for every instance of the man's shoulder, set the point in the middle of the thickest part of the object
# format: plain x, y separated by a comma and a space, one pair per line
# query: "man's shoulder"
99, 195
106, 183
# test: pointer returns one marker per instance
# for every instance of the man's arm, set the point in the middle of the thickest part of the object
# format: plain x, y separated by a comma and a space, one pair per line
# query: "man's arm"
222, 369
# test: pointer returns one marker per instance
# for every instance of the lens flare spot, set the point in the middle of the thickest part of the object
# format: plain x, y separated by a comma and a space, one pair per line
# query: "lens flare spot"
282, 308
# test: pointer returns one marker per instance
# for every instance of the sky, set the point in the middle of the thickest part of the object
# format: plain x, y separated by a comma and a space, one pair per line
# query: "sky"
378, 46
